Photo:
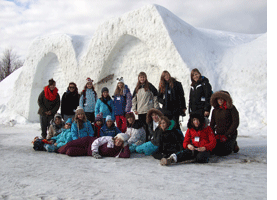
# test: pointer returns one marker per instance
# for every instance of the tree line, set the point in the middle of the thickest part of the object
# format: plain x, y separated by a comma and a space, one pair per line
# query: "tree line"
9, 62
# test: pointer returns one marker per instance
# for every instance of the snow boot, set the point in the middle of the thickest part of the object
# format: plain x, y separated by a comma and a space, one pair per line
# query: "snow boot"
167, 161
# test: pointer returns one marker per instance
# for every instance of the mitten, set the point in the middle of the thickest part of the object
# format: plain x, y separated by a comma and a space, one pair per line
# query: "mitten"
223, 138
96, 155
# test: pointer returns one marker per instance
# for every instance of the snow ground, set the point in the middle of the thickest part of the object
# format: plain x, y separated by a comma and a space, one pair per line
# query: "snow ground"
27, 174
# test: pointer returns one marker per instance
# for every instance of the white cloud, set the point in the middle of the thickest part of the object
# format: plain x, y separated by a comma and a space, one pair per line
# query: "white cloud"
23, 20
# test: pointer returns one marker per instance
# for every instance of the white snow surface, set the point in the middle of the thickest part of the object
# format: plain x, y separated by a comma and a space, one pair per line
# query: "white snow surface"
151, 39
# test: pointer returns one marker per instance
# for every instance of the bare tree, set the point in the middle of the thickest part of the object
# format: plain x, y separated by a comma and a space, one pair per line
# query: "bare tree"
9, 62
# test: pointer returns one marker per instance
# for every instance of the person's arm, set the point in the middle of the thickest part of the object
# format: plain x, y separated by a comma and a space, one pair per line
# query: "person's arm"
56, 105
181, 93
81, 102
90, 129
98, 142
235, 122
62, 105
212, 141
134, 103
40, 102
50, 132
212, 123
74, 131
97, 107
128, 101
208, 93
187, 141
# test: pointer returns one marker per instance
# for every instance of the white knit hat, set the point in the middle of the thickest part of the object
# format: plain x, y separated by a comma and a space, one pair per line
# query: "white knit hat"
124, 137
120, 80
79, 109
89, 80
109, 117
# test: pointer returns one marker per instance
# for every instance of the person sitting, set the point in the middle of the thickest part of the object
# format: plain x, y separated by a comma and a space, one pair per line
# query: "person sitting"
55, 127
98, 124
198, 143
108, 146
109, 129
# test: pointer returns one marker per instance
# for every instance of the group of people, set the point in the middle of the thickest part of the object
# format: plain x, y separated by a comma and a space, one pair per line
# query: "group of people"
106, 126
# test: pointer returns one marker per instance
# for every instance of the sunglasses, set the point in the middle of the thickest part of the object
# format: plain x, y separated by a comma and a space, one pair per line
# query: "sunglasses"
71, 87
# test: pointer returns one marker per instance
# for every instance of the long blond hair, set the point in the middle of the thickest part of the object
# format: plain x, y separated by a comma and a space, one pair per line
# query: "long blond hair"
162, 81
119, 91
146, 84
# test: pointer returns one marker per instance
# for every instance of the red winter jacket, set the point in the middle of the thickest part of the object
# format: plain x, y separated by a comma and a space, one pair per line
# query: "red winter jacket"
207, 138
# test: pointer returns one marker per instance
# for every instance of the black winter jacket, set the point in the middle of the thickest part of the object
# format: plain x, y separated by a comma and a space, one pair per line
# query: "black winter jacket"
69, 103
199, 97
173, 99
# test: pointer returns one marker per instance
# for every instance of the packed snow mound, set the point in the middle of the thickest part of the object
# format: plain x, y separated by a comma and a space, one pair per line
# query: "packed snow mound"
150, 39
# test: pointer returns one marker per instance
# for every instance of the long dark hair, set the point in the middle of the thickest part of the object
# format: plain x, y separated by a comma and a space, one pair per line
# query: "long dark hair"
76, 89
162, 82
146, 83
191, 75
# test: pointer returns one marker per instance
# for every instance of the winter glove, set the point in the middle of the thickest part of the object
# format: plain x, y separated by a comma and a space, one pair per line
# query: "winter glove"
96, 155
223, 138
217, 137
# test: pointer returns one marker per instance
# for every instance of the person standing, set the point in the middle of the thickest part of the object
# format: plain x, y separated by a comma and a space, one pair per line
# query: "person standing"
224, 122
144, 98
122, 104
49, 103
200, 94
171, 96
70, 101
88, 100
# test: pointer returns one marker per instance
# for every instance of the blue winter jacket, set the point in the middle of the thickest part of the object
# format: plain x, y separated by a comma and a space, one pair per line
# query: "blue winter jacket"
105, 131
123, 103
63, 138
101, 107
85, 131
90, 102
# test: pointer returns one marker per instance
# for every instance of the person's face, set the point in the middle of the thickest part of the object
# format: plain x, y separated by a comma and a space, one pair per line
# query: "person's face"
166, 77
120, 85
196, 76
105, 94
58, 121
72, 88
155, 117
109, 123
67, 126
98, 123
130, 120
142, 79
118, 142
163, 125
81, 116
220, 101
89, 85
52, 87
196, 122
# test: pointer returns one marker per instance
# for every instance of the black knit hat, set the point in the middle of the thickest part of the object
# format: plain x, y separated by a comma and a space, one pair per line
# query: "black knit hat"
51, 82
104, 89
197, 116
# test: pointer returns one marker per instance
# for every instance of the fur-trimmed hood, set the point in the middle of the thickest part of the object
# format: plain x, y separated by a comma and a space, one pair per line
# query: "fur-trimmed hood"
224, 95
150, 112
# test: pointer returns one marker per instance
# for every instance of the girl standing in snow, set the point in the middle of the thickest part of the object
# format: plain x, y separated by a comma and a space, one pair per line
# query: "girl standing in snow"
144, 98
224, 122
122, 104
200, 94
81, 127
105, 105
170, 139
108, 146
70, 101
153, 117
171, 96
109, 129
49, 103
198, 143
135, 131
88, 100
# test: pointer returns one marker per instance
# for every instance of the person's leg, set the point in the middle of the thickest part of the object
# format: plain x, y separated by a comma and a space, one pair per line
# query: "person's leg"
76, 151
225, 148
142, 118
43, 125
203, 157
176, 119
123, 123
118, 122
184, 155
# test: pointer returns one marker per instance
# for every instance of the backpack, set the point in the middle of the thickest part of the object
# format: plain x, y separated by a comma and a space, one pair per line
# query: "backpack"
39, 145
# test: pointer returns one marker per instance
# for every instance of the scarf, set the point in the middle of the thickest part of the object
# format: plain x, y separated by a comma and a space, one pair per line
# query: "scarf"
50, 95
98, 128
224, 106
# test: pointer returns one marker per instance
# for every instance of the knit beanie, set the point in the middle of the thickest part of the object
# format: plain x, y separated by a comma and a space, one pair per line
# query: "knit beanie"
89, 80
124, 137
99, 117
79, 110
51, 82
120, 80
109, 117
104, 89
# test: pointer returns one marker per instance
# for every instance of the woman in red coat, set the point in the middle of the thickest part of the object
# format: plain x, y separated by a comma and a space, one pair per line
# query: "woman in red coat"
198, 143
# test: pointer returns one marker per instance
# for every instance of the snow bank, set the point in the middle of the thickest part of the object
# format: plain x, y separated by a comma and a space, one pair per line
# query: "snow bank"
151, 39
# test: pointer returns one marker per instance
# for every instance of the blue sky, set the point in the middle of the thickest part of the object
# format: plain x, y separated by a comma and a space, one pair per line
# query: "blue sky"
23, 20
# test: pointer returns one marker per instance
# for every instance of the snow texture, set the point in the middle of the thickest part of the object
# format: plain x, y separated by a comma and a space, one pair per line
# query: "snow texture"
150, 39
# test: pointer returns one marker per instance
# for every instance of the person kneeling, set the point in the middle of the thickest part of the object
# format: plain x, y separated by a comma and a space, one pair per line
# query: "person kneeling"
198, 143
108, 146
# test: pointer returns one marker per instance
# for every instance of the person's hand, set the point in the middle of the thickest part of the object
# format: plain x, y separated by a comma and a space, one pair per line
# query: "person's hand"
206, 114
55, 144
184, 110
136, 112
202, 149
191, 147
223, 138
